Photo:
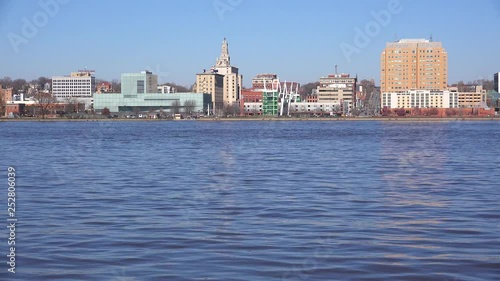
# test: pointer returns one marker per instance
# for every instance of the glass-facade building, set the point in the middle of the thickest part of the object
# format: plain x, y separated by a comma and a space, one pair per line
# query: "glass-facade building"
139, 94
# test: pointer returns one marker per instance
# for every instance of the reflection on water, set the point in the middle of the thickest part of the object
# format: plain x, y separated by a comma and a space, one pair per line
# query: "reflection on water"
256, 200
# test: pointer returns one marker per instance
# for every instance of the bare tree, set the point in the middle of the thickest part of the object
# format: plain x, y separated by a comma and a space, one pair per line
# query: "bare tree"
44, 101
433, 111
401, 112
237, 108
71, 105
451, 112
368, 86
19, 85
175, 107
307, 89
231, 109
386, 111
105, 111
6, 82
189, 107
116, 85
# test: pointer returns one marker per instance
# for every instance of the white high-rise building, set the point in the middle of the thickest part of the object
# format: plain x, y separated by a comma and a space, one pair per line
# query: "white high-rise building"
79, 84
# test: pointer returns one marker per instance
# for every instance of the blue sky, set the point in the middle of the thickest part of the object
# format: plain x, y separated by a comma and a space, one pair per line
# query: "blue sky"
298, 40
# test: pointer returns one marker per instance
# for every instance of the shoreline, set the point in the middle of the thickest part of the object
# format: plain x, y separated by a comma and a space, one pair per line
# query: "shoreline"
260, 119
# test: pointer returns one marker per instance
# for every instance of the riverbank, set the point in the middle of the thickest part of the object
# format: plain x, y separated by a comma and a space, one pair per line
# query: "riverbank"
276, 119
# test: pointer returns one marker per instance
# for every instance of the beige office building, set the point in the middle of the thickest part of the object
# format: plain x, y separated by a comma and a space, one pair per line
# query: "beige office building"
474, 97
413, 64
213, 84
232, 80
337, 88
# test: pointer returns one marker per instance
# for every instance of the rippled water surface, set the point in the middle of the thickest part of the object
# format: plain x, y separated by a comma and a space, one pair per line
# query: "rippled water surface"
254, 200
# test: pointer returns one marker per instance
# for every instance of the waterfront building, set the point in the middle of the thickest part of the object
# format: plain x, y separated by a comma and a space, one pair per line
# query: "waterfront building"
271, 81
6, 94
337, 88
410, 64
252, 108
6, 97
420, 99
250, 102
139, 83
104, 87
265, 81
153, 102
270, 102
496, 81
328, 108
474, 97
211, 83
232, 81
140, 94
312, 98
166, 89
79, 84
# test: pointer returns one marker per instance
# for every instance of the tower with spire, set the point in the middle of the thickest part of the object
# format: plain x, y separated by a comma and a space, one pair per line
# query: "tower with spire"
232, 80
224, 60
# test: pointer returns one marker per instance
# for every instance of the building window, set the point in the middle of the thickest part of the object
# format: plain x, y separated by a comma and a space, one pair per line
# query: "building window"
140, 86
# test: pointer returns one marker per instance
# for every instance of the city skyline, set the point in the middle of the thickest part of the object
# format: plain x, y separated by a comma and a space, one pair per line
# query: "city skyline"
300, 41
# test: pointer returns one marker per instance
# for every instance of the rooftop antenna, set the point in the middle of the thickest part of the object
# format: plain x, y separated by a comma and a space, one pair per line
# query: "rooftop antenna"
431, 38
336, 69
396, 37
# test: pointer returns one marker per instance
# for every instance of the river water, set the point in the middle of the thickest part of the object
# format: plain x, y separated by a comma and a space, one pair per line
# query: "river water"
195, 200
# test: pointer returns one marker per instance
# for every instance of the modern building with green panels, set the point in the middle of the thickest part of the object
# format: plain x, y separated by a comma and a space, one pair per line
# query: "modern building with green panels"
270, 105
139, 83
139, 94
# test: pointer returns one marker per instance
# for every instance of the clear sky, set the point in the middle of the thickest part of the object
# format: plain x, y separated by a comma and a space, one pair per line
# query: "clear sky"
299, 40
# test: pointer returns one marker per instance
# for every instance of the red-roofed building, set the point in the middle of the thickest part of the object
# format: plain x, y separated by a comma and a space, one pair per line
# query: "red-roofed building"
251, 102
104, 87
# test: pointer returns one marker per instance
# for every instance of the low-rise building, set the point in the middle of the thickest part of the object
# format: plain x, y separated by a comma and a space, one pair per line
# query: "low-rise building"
475, 97
104, 87
154, 102
166, 89
267, 81
420, 99
248, 101
312, 98
338, 88
315, 108
252, 108
139, 94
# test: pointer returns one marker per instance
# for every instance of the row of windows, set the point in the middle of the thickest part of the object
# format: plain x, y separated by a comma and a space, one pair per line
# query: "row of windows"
414, 51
